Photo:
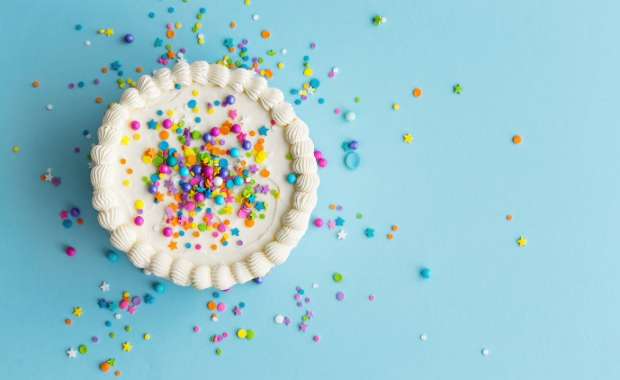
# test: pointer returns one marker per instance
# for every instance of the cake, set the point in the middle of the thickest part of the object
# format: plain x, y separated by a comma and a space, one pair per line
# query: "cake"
204, 175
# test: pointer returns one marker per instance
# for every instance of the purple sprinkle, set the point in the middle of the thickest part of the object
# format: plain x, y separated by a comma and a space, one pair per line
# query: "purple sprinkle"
299, 304
95, 339
240, 242
339, 208
140, 212
307, 300
298, 288
246, 42
183, 50
96, 81
313, 46
71, 85
340, 296
222, 142
77, 150
240, 46
255, 60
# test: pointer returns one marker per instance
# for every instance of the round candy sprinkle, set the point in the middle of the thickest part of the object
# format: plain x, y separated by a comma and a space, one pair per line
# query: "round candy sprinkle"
135, 125
291, 178
509, 217
318, 222
517, 139
147, 336
417, 92
423, 337
371, 297
197, 329
322, 163
113, 256
83, 350
129, 38
95, 339
138, 221
350, 116
49, 107
354, 145
251, 334
352, 160
78, 27
242, 333
396, 107
70, 251
485, 352
218, 351
75, 212
315, 286
340, 296
105, 367
258, 280
316, 338
67, 223
159, 287
426, 273
279, 319
338, 277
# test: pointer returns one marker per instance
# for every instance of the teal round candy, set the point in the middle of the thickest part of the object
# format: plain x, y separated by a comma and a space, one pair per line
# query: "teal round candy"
426, 273
352, 160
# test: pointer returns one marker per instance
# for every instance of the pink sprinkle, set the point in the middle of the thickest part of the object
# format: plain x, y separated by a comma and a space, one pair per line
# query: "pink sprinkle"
124, 304
95, 339
331, 75
312, 46
170, 26
160, 60
337, 111
198, 246
165, 61
225, 335
372, 298
316, 338
297, 297
196, 329
221, 307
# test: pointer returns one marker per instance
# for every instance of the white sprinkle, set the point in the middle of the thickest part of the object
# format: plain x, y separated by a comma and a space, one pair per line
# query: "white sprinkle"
279, 319
335, 70
88, 136
485, 352
49, 170
214, 318
201, 37
283, 51
255, 17
423, 337
87, 43
49, 107
315, 286
146, 272
117, 316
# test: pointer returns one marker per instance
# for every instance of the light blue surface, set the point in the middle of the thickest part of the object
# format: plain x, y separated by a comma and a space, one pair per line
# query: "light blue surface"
545, 70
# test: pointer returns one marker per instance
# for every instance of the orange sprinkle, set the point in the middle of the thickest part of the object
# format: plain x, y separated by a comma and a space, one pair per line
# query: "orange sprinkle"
196, 234
259, 147
517, 139
333, 207
231, 66
129, 171
249, 223
105, 367
139, 69
227, 222
214, 247
261, 140
99, 100
394, 228
104, 70
117, 373
191, 159
390, 236
255, 65
68, 322
252, 133
215, 225
176, 235
170, 33
123, 161
36, 84
212, 305
232, 50
509, 217
265, 34
80, 221
417, 92
42, 177
264, 173
268, 74
216, 151
233, 25
164, 135
243, 163
224, 130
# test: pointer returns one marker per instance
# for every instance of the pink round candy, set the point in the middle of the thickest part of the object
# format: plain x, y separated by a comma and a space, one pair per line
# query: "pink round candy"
196, 329
166, 61
318, 222
221, 227
372, 298
199, 197
169, 26
316, 338
225, 335
236, 128
167, 124
318, 154
337, 111
124, 304
297, 297
331, 75
70, 251
165, 169
138, 221
167, 232
198, 246
221, 307
215, 131
322, 162
209, 171
135, 125
190, 206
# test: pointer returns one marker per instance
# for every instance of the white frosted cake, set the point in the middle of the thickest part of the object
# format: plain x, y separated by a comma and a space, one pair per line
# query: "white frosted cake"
203, 175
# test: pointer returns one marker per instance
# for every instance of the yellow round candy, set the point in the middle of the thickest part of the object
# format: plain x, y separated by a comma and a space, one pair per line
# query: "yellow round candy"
195, 93
198, 25
161, 175
125, 294
139, 204
304, 92
133, 84
189, 152
170, 112
129, 81
147, 336
137, 137
308, 72
15, 149
196, 109
262, 155
178, 25
262, 72
280, 65
226, 236
247, 2
242, 333
147, 159
277, 196
306, 85
192, 214
211, 111
396, 106
127, 183
122, 85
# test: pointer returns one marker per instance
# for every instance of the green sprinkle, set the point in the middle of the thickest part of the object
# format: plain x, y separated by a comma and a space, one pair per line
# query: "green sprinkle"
338, 277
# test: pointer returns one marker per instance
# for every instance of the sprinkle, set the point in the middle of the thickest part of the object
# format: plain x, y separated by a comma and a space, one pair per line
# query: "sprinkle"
265, 34
417, 92
408, 138
423, 337
396, 107
522, 242
517, 139
340, 296
485, 352
458, 89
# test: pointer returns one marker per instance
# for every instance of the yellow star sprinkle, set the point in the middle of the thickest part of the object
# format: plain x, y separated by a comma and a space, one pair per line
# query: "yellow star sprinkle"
522, 242
127, 346
125, 140
408, 138
228, 210
78, 311
109, 32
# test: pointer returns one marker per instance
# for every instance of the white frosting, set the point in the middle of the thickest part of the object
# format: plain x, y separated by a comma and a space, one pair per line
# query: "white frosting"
283, 113
270, 97
199, 71
255, 86
265, 245
239, 78
218, 75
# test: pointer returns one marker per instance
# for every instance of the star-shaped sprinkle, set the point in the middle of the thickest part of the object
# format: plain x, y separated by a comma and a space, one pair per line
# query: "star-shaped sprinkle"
303, 326
377, 20
232, 114
125, 140
458, 89
287, 321
522, 242
56, 181
159, 42
263, 130
339, 222
228, 210
342, 235
253, 169
64, 215
234, 232
149, 299
152, 124
112, 306
71, 353
241, 137
49, 177
245, 120
102, 303
229, 43
127, 346
112, 362
132, 309
260, 206
331, 224
345, 146
237, 310
265, 189
78, 311
370, 232
159, 197
170, 54
408, 138
105, 287
172, 245
115, 65
91, 164
109, 32
309, 314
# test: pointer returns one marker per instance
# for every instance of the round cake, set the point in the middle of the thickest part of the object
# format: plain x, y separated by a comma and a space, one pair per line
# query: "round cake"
204, 175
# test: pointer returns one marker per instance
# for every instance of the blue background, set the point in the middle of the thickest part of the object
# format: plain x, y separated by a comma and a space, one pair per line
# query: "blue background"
545, 70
